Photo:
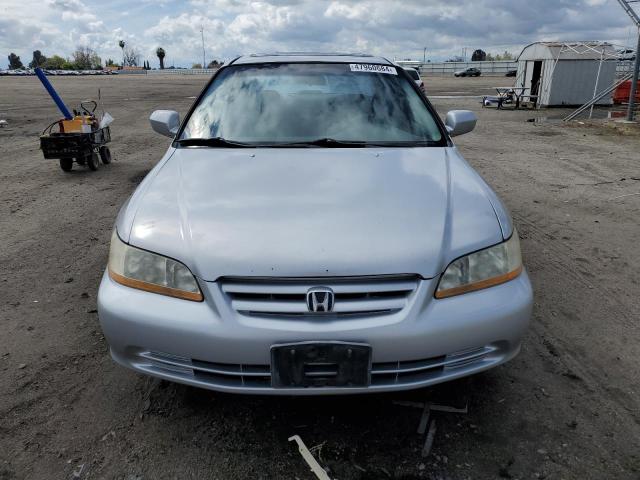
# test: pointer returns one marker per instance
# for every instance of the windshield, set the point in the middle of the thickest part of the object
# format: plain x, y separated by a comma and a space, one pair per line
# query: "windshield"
295, 103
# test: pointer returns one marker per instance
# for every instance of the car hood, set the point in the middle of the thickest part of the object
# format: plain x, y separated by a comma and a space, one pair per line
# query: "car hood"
312, 212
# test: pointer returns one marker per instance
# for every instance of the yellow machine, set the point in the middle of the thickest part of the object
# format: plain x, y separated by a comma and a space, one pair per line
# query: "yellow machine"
79, 124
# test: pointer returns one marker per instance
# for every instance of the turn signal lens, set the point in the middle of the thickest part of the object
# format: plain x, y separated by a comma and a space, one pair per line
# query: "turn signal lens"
483, 269
151, 272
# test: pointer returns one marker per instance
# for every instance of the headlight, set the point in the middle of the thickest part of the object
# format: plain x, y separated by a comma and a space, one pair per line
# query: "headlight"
148, 271
483, 269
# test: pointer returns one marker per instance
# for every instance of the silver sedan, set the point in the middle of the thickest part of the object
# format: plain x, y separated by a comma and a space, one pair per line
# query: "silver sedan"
312, 229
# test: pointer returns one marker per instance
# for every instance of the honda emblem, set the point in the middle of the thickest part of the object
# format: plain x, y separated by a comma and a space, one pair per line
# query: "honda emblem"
320, 299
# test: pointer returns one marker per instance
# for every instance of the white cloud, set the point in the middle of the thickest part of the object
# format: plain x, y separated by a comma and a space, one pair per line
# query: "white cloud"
397, 29
71, 16
67, 4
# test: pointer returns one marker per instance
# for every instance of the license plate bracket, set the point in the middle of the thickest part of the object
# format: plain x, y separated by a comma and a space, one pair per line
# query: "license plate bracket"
320, 364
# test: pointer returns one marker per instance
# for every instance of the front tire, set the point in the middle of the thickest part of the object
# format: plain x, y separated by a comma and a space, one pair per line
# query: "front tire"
93, 161
105, 155
66, 164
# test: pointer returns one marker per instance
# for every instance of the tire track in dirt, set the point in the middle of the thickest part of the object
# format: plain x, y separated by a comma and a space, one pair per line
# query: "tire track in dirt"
596, 376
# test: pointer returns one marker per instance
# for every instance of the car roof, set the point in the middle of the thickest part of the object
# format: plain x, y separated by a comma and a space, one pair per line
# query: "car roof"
303, 57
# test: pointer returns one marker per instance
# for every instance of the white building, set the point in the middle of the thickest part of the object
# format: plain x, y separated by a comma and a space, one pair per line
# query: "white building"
566, 73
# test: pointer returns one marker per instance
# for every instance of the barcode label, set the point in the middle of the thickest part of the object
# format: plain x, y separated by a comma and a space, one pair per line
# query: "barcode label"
372, 68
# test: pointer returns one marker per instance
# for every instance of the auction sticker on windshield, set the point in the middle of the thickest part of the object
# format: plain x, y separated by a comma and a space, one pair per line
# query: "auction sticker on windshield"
371, 68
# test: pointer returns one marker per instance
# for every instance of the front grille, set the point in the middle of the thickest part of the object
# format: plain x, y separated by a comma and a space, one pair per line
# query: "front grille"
287, 297
220, 374
259, 376
420, 370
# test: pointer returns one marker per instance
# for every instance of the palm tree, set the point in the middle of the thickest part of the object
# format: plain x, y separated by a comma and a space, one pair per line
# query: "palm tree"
161, 53
121, 44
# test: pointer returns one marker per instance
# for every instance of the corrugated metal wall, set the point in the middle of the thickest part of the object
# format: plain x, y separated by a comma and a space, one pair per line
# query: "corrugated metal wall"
574, 81
568, 82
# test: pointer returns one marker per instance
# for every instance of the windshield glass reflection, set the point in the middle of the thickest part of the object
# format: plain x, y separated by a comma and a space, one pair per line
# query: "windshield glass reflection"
281, 103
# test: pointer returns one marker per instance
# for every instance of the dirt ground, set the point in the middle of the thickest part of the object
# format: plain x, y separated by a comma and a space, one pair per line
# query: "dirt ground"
567, 407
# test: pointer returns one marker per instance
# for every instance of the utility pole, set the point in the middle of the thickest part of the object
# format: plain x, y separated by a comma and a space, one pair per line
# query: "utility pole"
636, 64
424, 55
204, 63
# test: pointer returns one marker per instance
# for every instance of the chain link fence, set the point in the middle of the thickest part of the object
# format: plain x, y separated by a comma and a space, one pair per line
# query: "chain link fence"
183, 71
498, 68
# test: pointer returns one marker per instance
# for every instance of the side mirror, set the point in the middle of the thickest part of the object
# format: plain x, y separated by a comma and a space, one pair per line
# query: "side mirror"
165, 122
459, 122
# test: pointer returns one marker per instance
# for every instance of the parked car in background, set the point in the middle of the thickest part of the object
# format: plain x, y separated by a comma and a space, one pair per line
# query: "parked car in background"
415, 76
511, 73
313, 230
468, 72
626, 54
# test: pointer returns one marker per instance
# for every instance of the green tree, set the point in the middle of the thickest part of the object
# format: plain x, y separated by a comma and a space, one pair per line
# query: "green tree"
196, 65
86, 58
161, 54
478, 56
121, 44
131, 57
55, 63
14, 62
501, 56
39, 60
96, 62
506, 56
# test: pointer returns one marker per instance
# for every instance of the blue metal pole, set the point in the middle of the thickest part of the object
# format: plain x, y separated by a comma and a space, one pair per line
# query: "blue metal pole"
52, 91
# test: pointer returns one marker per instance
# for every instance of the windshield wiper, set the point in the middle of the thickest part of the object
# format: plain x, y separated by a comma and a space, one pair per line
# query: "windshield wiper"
333, 143
212, 142
324, 142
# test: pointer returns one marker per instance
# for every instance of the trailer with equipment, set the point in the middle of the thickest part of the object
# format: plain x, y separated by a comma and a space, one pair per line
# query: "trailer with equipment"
80, 138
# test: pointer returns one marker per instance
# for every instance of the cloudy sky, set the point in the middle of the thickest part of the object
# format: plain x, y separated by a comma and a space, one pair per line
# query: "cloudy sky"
396, 29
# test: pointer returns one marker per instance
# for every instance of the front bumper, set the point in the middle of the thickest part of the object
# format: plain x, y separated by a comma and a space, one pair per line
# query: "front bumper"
210, 346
